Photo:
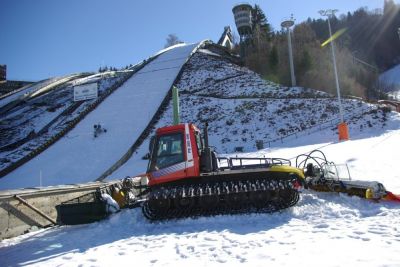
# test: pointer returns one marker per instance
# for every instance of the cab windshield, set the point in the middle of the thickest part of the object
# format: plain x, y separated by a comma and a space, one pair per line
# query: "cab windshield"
168, 150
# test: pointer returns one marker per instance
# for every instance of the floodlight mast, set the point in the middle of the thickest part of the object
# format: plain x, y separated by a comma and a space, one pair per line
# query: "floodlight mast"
287, 24
330, 13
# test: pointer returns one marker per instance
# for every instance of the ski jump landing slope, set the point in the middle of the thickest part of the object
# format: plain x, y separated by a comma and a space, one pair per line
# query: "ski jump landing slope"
79, 157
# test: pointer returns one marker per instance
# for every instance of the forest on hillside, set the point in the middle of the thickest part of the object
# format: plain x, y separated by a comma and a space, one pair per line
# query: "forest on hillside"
370, 45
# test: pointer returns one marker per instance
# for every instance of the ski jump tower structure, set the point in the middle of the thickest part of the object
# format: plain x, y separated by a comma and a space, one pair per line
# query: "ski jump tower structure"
243, 21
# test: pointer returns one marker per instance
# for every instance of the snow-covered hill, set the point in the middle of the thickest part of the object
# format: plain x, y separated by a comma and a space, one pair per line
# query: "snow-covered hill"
390, 80
242, 110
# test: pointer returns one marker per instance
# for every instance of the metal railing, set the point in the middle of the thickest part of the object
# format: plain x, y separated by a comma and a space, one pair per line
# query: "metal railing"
246, 162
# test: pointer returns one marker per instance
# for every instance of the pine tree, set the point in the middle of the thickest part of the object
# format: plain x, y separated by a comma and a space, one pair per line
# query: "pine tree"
260, 20
388, 6
387, 52
274, 59
305, 63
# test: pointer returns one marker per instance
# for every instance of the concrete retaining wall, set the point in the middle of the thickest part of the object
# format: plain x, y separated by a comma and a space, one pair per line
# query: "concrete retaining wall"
17, 218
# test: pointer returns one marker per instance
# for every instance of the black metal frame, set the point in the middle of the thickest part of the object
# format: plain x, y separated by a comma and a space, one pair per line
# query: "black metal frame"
263, 162
319, 160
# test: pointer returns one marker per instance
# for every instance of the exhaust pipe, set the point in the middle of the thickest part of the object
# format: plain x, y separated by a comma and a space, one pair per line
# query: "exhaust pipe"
206, 159
206, 135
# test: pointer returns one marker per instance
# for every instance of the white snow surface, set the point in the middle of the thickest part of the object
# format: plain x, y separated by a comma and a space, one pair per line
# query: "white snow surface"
322, 229
391, 80
395, 95
139, 97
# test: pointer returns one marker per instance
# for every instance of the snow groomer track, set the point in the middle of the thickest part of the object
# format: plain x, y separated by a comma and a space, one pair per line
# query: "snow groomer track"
128, 114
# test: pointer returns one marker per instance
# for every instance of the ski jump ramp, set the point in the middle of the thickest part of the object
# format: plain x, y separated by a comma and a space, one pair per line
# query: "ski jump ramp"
79, 157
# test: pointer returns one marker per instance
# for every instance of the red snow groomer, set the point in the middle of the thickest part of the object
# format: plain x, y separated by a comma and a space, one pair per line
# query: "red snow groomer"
187, 178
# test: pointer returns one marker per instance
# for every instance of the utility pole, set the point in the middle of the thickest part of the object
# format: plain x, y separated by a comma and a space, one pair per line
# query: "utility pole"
175, 101
343, 130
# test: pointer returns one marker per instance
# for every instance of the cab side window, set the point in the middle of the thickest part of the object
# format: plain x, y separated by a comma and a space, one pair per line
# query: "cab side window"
199, 142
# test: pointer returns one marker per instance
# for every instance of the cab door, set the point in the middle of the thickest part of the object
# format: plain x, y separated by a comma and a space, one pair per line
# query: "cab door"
168, 161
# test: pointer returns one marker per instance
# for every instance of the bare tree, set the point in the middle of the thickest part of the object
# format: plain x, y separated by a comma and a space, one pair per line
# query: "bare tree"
172, 39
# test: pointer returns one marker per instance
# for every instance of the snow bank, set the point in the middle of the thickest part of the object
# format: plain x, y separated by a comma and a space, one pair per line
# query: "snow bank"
322, 229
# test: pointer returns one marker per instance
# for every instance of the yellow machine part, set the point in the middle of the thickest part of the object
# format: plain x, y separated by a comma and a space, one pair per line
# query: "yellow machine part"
369, 194
119, 197
288, 169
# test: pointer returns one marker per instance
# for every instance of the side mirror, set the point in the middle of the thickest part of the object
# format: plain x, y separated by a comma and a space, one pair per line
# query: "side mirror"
151, 144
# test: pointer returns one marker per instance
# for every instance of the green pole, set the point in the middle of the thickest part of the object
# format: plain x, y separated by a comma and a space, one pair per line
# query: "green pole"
175, 101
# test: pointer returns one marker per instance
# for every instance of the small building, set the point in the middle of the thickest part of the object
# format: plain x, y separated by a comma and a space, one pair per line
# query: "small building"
226, 38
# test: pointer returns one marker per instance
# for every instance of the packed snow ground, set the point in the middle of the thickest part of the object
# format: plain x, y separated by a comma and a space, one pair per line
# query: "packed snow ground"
323, 229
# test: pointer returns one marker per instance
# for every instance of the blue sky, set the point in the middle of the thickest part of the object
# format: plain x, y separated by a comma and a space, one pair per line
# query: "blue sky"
46, 38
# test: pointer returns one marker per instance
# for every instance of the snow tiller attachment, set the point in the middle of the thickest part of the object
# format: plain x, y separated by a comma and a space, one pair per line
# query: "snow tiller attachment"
324, 176
186, 178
